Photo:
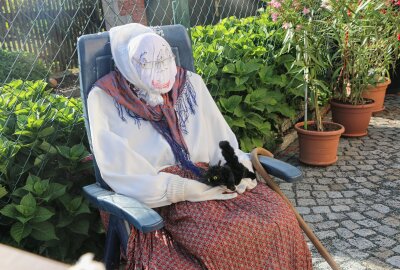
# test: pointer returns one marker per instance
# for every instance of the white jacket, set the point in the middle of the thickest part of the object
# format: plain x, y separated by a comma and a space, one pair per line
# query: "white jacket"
130, 156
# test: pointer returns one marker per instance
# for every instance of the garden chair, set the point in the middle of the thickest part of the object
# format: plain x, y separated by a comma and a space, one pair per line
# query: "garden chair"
95, 61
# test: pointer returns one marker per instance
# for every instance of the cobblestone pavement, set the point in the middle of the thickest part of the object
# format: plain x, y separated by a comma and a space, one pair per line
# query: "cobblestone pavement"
354, 205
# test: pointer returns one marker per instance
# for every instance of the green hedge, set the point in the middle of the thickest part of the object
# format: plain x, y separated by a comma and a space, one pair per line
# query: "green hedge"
42, 171
20, 65
245, 73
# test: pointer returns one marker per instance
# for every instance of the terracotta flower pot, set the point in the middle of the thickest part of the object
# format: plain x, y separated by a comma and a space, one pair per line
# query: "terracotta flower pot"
377, 93
319, 147
354, 118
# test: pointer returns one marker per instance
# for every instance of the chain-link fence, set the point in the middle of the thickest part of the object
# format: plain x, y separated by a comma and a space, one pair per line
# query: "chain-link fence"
43, 33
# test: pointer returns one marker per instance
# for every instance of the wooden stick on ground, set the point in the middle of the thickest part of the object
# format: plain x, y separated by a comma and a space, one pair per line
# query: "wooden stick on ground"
271, 183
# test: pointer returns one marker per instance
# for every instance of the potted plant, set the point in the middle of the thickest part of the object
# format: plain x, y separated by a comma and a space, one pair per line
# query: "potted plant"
386, 52
305, 22
361, 59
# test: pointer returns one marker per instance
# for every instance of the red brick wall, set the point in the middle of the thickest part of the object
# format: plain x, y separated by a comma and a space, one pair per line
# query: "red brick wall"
133, 8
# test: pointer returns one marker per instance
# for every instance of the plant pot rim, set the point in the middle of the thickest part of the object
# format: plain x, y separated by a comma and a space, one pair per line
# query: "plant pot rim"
385, 83
337, 103
299, 128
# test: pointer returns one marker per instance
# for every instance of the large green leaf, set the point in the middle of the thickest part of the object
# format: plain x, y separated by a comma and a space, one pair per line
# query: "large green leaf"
230, 104
43, 231
9, 211
19, 231
229, 68
80, 227
3, 191
42, 214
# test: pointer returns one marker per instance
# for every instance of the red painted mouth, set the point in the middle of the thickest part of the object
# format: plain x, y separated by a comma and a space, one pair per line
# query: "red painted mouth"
159, 85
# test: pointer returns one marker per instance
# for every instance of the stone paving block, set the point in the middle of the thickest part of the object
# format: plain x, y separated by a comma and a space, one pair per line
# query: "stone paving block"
364, 232
303, 210
369, 223
337, 187
341, 180
393, 203
374, 263
359, 179
374, 214
340, 208
341, 244
396, 249
324, 201
350, 225
336, 216
347, 168
353, 266
344, 233
329, 174
306, 202
313, 218
386, 230
303, 186
303, 194
325, 181
325, 234
349, 193
343, 201
365, 191
394, 261
327, 225
321, 209
365, 167
361, 243
355, 253
391, 221
355, 215
370, 185
321, 187
286, 186
334, 194
383, 253
319, 194
383, 241
381, 208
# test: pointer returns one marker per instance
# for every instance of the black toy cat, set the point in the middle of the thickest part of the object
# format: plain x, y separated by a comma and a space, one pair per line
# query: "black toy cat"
229, 174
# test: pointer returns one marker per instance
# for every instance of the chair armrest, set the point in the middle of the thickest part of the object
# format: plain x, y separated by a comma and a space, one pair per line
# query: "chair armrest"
280, 169
139, 215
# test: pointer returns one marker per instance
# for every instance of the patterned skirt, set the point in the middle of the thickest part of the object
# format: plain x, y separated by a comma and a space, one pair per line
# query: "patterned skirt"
255, 230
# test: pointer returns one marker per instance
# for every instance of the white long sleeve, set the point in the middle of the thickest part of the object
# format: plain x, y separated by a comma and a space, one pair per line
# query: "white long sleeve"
130, 156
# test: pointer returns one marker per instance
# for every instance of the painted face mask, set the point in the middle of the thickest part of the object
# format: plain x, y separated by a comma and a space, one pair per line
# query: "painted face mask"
152, 67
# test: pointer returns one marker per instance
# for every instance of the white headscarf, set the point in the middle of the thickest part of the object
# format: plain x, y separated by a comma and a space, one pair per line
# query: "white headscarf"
145, 59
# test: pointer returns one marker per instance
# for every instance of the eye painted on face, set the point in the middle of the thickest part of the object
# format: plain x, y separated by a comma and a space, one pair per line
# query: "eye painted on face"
158, 65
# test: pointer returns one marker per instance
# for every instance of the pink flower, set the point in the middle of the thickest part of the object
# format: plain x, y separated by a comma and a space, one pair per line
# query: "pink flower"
286, 25
306, 11
275, 4
274, 17
398, 37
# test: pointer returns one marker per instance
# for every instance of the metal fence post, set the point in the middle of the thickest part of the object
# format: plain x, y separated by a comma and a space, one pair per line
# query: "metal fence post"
180, 10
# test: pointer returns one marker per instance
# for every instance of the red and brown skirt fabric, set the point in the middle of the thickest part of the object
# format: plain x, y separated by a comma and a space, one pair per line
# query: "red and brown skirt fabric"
255, 230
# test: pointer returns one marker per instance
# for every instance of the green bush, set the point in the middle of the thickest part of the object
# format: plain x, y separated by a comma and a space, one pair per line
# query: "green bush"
20, 65
247, 76
42, 172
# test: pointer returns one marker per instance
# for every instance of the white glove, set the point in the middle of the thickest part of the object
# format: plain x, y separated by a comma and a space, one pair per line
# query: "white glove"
246, 184
182, 189
195, 191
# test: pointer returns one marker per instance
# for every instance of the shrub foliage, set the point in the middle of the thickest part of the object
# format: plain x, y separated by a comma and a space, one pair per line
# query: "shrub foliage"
248, 77
20, 65
41, 173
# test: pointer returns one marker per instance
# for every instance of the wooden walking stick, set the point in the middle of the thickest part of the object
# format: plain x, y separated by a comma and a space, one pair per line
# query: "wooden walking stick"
271, 183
